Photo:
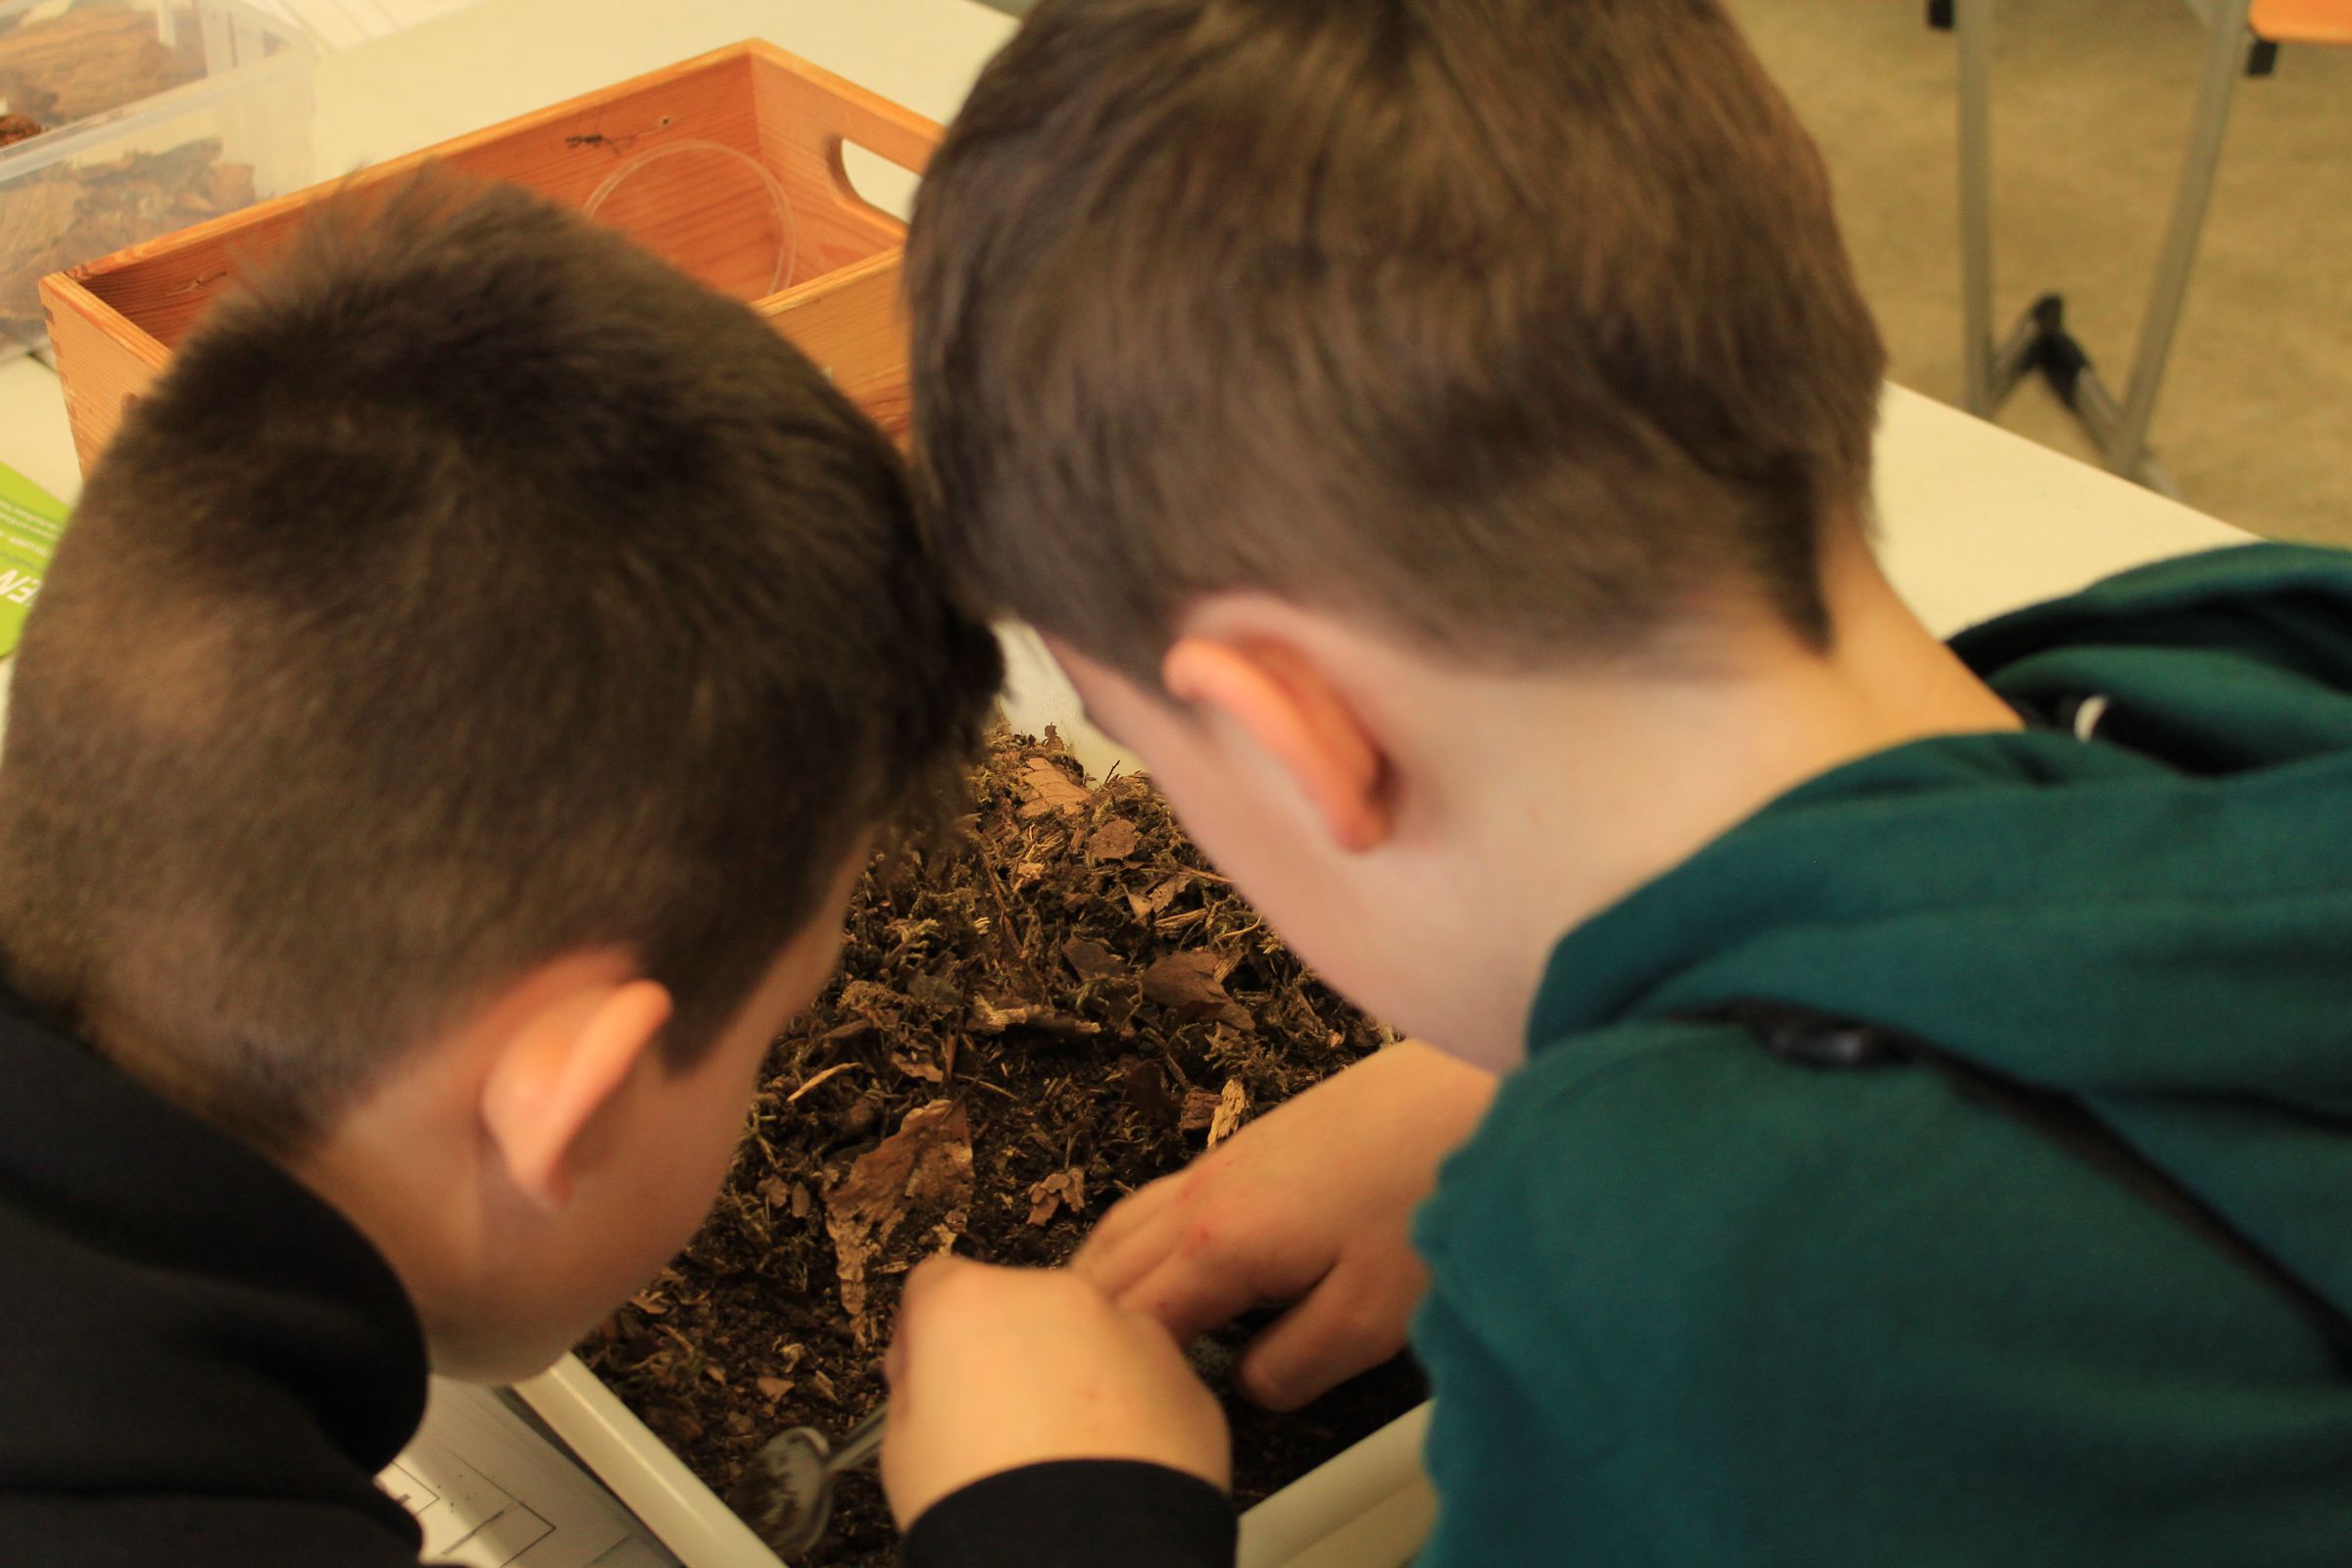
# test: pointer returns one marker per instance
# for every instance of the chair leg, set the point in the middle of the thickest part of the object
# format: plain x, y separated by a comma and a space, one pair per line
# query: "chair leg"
1974, 19
2225, 57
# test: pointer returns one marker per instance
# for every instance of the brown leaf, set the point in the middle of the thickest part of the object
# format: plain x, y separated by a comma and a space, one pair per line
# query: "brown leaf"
1232, 1105
1114, 840
925, 1166
1046, 1197
1090, 959
647, 1305
1144, 1086
1049, 789
1199, 1109
928, 1071
773, 1389
1148, 904
776, 1191
1186, 980
1191, 986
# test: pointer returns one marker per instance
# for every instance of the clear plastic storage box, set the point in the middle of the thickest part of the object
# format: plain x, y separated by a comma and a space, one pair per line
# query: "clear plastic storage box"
122, 120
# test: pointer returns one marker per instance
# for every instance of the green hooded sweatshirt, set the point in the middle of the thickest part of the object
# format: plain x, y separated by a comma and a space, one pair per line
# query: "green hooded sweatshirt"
1694, 1304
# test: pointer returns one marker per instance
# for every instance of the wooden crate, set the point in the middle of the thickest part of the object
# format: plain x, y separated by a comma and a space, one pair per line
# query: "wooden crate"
113, 323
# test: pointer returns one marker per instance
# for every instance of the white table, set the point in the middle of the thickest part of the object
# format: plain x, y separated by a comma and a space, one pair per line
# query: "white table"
1974, 519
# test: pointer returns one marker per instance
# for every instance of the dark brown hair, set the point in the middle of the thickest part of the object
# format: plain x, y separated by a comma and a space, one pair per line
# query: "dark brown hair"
1522, 326
471, 590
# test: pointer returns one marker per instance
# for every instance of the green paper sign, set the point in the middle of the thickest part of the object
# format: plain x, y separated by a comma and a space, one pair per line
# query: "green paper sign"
31, 519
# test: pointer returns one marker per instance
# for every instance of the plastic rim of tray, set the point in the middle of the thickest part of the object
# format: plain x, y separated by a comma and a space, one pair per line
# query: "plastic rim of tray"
1367, 1506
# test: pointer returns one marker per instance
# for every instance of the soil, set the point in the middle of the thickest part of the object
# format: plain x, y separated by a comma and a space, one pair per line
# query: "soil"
1034, 1020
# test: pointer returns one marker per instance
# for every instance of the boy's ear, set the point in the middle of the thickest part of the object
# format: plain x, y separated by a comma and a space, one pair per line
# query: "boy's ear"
1308, 725
559, 1067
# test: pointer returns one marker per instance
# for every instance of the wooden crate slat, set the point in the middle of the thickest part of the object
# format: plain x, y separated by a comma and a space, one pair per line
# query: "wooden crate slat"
117, 320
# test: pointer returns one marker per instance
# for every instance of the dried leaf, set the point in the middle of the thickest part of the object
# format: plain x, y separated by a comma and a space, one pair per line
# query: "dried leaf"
1232, 1105
1144, 1086
925, 1166
649, 1305
1199, 1109
1047, 1197
773, 1389
1191, 985
1114, 840
1049, 789
715, 1373
776, 1191
1186, 980
1148, 905
1090, 959
927, 1071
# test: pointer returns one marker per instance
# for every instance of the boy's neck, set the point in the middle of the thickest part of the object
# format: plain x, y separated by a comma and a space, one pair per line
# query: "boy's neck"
1568, 793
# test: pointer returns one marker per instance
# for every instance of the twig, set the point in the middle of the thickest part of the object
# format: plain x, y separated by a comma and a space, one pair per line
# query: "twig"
838, 1067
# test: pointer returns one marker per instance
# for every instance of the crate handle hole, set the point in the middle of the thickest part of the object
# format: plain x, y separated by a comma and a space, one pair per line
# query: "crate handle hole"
867, 179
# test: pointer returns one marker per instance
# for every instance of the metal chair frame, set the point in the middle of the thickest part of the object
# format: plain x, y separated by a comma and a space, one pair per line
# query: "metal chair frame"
2039, 340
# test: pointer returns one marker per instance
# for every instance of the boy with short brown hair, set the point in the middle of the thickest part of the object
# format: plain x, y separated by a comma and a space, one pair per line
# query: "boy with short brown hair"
1434, 436
438, 765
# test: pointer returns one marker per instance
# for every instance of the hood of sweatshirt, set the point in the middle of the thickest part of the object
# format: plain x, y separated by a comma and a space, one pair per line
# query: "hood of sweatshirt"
2147, 905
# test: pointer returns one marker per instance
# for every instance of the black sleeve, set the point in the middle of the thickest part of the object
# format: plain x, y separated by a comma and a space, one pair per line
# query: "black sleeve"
1077, 1513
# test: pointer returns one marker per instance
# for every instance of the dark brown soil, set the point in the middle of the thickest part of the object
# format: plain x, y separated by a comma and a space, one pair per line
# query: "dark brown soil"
1033, 1021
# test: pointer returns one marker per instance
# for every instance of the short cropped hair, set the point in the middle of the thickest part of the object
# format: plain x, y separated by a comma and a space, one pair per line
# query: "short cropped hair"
1521, 327
471, 590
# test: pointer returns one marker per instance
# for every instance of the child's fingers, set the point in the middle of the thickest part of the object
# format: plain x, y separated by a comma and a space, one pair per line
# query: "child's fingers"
1356, 1318
1128, 1241
1206, 1275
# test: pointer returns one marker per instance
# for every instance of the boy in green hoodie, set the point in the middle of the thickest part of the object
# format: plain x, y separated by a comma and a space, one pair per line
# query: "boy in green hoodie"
1435, 436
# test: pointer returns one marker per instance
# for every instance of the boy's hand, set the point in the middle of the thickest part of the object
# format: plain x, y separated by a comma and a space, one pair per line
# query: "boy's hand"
995, 1368
1312, 1204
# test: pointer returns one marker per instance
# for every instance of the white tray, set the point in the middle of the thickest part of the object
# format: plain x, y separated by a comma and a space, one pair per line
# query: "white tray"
1369, 1507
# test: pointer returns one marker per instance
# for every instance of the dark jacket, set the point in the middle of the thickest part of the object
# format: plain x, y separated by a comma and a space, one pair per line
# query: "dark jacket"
202, 1365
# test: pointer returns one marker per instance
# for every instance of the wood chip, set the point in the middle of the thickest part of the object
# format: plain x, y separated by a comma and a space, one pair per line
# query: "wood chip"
1232, 1105
812, 1083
